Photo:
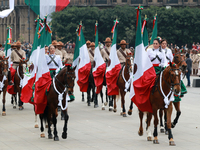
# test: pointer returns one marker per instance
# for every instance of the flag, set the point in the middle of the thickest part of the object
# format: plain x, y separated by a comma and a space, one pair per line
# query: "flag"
145, 33
144, 77
99, 66
154, 34
46, 7
84, 65
43, 78
7, 49
28, 81
114, 66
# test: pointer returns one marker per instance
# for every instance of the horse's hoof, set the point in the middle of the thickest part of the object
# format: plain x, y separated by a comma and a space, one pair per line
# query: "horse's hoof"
103, 108
130, 112
36, 126
115, 110
155, 142
166, 132
50, 136
56, 138
3, 113
95, 106
140, 133
42, 135
21, 107
64, 135
14, 107
110, 109
149, 138
59, 109
172, 143
83, 100
62, 118
173, 125
105, 103
124, 115
162, 130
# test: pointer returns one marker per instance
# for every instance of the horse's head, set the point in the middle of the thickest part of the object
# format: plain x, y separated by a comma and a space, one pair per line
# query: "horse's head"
174, 77
179, 60
4, 65
23, 65
129, 61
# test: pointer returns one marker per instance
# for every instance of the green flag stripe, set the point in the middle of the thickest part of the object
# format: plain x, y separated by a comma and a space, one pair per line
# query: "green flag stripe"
82, 39
145, 37
7, 46
35, 5
97, 39
154, 34
76, 50
35, 43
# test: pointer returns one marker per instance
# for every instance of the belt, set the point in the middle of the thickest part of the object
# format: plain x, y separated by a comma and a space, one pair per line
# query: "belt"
52, 69
156, 65
16, 62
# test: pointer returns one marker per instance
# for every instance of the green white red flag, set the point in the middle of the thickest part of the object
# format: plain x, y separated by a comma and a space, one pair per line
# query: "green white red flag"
155, 31
7, 49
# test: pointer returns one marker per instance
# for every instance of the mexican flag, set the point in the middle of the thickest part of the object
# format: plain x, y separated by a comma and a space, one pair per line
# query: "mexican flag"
114, 66
7, 49
84, 65
46, 7
144, 77
154, 34
145, 33
28, 81
99, 66
43, 78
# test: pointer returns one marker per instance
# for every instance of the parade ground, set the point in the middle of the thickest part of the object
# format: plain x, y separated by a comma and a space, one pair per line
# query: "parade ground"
91, 128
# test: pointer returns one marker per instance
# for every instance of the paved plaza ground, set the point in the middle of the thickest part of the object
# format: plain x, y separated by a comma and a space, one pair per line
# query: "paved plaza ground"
91, 128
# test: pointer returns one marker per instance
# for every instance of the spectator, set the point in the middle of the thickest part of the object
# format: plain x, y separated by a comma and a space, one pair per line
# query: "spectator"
73, 45
189, 68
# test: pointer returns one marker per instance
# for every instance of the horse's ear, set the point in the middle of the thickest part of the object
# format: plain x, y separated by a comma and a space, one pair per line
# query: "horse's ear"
170, 63
176, 50
75, 68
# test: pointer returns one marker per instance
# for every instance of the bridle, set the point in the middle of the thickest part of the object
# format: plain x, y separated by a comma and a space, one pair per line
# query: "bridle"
4, 65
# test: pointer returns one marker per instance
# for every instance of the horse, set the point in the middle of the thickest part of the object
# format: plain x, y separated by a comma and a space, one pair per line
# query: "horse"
63, 83
178, 58
3, 81
124, 82
18, 77
167, 82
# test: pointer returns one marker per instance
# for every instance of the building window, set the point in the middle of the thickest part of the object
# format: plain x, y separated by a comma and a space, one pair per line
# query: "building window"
101, 1
160, 0
124, 1
114, 1
136, 1
195, 0
172, 1
149, 0
185, 0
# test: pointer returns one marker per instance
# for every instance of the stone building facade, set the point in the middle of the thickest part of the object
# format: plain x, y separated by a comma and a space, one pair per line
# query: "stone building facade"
18, 19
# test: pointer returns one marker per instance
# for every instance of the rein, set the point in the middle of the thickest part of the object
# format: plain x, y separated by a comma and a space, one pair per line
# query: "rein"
21, 80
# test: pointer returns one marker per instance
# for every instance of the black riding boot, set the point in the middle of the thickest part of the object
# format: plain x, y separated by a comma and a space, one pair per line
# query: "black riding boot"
10, 82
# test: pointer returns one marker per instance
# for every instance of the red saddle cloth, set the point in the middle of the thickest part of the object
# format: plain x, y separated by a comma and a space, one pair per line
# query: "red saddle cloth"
10, 88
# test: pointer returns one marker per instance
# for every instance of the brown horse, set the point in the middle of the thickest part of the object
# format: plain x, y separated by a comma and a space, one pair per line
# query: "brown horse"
3, 81
18, 77
167, 82
64, 83
124, 82
178, 58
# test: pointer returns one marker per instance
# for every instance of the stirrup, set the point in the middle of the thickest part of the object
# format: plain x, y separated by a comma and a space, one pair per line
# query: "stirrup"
10, 83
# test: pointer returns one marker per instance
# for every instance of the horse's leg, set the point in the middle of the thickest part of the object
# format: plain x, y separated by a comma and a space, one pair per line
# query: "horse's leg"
130, 108
170, 136
178, 113
66, 117
140, 132
165, 119
36, 122
110, 103
20, 102
12, 100
107, 97
149, 135
123, 102
88, 95
95, 98
49, 127
155, 132
83, 97
161, 121
103, 105
42, 135
4, 101
55, 129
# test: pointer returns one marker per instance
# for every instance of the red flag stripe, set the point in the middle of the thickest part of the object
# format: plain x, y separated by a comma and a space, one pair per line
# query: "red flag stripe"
61, 4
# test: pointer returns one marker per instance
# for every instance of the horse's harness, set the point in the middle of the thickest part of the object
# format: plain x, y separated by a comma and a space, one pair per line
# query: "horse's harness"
3, 63
20, 74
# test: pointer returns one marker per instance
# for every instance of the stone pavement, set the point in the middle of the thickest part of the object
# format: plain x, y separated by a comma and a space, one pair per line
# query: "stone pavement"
91, 128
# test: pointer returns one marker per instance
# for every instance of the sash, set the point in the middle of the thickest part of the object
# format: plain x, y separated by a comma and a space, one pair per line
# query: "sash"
122, 52
107, 51
91, 53
16, 51
155, 58
52, 60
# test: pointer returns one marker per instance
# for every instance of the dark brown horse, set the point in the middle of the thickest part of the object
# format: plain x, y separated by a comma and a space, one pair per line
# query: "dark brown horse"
18, 77
64, 83
124, 82
167, 82
3, 81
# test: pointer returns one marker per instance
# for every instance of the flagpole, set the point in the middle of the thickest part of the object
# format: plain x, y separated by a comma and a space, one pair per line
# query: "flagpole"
29, 22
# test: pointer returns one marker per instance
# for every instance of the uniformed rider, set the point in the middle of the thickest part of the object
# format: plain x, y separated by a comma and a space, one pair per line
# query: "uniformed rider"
91, 52
122, 52
105, 52
88, 45
57, 52
168, 52
64, 53
53, 61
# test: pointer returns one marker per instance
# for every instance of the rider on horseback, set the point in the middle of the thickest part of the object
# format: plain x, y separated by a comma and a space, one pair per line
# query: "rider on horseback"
106, 51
